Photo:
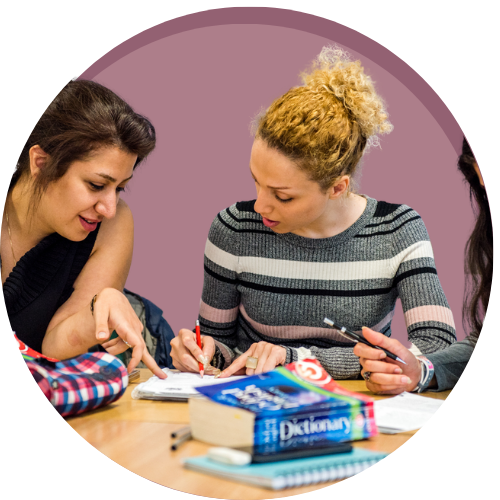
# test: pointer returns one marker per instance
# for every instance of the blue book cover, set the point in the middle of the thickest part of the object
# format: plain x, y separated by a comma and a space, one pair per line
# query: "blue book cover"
290, 412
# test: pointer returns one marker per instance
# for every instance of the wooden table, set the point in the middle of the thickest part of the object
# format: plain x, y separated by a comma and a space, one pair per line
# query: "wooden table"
136, 435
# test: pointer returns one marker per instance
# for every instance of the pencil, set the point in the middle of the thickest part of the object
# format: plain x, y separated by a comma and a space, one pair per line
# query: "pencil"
185, 437
181, 431
356, 337
198, 341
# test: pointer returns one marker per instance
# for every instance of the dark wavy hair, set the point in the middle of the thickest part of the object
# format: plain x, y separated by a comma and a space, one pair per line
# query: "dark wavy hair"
84, 117
478, 251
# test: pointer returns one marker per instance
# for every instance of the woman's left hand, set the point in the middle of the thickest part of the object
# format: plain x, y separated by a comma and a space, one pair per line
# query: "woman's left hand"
387, 376
269, 357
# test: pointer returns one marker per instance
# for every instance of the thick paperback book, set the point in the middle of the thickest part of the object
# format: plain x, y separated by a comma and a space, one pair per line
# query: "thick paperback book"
278, 410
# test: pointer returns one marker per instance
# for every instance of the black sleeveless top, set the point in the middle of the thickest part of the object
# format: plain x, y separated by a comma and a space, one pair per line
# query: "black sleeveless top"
41, 282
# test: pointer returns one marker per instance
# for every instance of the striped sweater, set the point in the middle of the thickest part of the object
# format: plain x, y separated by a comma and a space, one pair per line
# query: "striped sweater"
278, 288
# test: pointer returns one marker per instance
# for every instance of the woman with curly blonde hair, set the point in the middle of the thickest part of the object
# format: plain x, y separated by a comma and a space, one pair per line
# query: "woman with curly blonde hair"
309, 246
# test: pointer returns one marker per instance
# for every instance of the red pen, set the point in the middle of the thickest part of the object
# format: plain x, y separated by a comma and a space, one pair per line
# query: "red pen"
198, 341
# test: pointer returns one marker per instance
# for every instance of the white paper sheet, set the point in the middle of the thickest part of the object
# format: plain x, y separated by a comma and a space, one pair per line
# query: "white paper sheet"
405, 412
178, 385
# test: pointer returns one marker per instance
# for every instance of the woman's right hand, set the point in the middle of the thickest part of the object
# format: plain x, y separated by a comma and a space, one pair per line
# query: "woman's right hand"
186, 354
112, 311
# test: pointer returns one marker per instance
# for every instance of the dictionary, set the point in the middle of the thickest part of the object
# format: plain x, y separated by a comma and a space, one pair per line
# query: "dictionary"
277, 411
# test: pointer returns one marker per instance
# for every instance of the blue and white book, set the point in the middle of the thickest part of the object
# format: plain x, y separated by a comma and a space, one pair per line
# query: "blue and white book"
277, 411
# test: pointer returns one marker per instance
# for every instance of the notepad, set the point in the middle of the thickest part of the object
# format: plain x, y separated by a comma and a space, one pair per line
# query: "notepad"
405, 412
178, 386
290, 473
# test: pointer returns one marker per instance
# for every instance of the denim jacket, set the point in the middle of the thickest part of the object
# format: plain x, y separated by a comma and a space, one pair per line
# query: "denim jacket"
157, 332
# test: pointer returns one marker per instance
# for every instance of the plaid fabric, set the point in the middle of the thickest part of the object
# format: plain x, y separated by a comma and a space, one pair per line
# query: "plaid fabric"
80, 384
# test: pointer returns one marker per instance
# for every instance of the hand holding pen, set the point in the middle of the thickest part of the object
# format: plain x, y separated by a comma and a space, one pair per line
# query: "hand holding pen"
201, 365
384, 375
189, 351
356, 337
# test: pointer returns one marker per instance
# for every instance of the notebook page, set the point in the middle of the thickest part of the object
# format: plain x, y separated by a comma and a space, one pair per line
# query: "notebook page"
180, 384
404, 412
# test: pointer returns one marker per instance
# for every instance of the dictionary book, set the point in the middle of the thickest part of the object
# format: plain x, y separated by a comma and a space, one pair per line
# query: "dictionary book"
277, 411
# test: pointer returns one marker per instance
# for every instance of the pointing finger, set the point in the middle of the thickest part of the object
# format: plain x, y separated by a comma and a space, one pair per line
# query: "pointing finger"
101, 316
151, 364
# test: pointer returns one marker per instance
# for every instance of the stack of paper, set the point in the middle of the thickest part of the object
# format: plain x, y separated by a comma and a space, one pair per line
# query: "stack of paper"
178, 386
405, 412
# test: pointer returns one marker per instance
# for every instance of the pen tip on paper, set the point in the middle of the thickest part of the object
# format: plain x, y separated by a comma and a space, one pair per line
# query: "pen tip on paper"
202, 372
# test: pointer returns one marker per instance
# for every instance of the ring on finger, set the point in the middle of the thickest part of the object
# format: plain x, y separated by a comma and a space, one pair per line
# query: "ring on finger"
127, 344
251, 362
367, 376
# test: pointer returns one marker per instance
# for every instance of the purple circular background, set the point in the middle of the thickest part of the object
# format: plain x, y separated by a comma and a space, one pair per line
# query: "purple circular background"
201, 78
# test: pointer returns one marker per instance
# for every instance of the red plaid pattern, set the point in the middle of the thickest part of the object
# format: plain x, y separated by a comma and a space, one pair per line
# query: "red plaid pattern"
80, 384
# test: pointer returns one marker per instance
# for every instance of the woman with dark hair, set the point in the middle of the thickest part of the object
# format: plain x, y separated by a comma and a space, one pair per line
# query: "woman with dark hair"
441, 370
67, 238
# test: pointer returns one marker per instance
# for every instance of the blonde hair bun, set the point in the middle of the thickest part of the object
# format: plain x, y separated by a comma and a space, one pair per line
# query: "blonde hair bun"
335, 73
326, 124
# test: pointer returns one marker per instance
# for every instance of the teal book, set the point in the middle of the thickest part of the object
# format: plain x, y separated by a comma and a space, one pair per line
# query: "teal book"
290, 473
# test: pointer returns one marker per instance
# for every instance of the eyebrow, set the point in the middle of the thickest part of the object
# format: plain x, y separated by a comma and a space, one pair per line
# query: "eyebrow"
112, 179
270, 187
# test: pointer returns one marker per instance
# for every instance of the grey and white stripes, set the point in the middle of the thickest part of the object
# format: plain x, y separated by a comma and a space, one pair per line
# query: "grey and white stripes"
264, 286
